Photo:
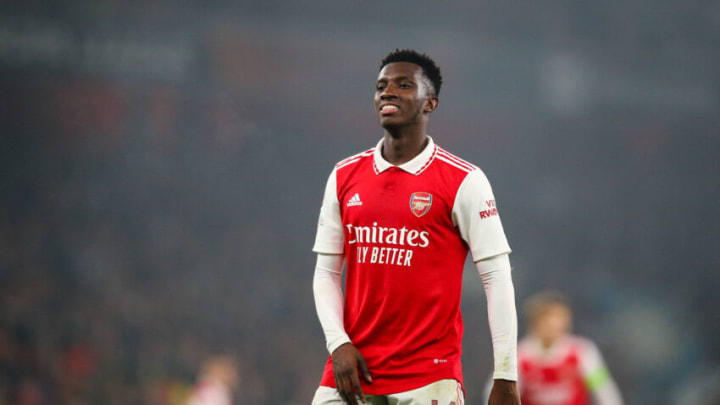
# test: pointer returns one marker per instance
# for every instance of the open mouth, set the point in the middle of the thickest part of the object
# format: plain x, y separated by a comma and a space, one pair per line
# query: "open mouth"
388, 109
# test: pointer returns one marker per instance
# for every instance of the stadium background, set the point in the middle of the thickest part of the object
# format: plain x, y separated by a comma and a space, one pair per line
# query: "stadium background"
162, 165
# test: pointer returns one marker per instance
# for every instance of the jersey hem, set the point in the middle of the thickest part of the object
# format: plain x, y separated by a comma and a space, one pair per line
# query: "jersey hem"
331, 346
398, 388
328, 249
505, 376
483, 256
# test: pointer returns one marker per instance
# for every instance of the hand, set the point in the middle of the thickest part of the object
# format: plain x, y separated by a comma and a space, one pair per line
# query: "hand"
504, 392
346, 360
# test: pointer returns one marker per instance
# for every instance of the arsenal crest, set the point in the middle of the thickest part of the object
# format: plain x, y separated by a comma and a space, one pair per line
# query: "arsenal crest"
420, 203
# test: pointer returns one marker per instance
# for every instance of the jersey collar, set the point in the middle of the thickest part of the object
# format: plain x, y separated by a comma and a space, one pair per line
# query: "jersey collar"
415, 166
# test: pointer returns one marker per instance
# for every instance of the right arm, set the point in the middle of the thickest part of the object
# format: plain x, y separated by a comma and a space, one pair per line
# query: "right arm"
329, 303
329, 299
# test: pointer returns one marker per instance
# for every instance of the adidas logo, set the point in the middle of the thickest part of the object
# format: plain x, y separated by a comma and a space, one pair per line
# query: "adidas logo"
354, 200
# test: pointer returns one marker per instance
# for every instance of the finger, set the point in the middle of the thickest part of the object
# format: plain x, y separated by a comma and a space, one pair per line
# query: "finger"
364, 369
356, 384
339, 388
347, 393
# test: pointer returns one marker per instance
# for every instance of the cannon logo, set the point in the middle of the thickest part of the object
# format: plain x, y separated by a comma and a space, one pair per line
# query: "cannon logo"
420, 203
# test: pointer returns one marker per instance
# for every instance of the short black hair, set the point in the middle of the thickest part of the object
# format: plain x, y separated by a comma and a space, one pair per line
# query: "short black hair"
429, 68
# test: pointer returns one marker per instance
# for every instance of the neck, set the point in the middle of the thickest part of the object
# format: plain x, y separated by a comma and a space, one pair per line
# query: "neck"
401, 145
546, 344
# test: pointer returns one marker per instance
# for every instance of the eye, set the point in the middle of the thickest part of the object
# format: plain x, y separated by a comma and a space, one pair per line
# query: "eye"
405, 85
379, 87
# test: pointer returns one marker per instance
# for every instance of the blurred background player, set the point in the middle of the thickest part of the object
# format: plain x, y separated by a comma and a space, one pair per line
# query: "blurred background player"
216, 383
556, 367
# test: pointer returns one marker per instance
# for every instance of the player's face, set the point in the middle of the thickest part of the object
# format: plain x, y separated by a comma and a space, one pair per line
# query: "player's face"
401, 95
553, 323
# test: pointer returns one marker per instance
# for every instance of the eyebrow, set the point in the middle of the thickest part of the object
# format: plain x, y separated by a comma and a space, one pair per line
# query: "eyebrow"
396, 78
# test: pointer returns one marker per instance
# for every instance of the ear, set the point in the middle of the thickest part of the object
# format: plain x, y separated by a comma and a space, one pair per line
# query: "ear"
431, 103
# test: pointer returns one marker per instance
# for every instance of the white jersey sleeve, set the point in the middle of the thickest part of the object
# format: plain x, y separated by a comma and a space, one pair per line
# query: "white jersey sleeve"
476, 216
502, 316
330, 236
329, 300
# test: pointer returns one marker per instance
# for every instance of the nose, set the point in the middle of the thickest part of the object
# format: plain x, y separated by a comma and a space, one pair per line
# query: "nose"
388, 93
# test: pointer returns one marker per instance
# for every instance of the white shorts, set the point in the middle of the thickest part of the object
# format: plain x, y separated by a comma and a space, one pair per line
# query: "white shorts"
443, 392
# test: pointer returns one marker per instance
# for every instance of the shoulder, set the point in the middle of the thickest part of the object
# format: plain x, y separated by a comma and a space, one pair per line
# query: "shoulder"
345, 163
580, 341
525, 346
352, 168
351, 160
583, 344
458, 176
467, 177
454, 163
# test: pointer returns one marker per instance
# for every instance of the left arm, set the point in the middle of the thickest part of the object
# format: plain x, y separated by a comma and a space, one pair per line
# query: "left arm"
478, 221
502, 317
597, 376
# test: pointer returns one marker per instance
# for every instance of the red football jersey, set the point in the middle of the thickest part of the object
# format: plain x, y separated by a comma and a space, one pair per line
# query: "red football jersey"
560, 375
405, 231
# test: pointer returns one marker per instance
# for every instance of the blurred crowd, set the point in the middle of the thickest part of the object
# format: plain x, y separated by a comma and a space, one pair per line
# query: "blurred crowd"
87, 317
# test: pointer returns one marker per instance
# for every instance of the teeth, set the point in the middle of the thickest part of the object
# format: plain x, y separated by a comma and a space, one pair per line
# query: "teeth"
389, 107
